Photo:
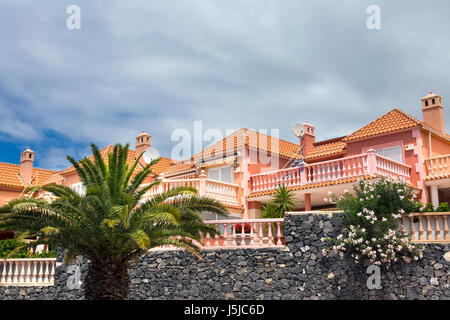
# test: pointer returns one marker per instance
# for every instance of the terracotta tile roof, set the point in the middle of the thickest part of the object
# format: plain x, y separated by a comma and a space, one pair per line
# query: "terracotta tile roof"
178, 167
259, 141
9, 176
54, 178
325, 150
392, 121
437, 177
161, 166
235, 207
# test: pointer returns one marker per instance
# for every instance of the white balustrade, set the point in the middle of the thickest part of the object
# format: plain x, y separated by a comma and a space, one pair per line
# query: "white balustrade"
392, 169
427, 226
260, 233
222, 191
437, 167
349, 167
27, 272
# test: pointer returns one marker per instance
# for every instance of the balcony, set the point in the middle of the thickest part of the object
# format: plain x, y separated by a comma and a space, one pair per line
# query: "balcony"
221, 191
437, 167
27, 272
361, 165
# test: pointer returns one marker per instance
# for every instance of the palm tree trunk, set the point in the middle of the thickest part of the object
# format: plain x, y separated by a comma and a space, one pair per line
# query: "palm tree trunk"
107, 280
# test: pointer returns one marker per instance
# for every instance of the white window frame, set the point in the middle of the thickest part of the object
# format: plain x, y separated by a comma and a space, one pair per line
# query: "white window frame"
381, 151
79, 188
219, 169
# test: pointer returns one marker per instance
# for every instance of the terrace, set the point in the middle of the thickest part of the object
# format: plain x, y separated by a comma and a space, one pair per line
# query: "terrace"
361, 165
437, 167
221, 191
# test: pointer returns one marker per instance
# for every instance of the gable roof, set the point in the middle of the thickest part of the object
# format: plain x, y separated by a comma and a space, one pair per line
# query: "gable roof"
394, 120
9, 176
245, 137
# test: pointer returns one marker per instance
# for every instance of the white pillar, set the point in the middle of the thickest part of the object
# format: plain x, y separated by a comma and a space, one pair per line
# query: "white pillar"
434, 196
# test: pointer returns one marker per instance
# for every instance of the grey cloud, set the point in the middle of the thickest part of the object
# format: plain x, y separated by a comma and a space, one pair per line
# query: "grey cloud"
158, 66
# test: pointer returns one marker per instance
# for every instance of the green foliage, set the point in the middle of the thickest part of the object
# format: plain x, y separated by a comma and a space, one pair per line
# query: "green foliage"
371, 219
443, 207
46, 254
282, 201
111, 221
428, 207
17, 248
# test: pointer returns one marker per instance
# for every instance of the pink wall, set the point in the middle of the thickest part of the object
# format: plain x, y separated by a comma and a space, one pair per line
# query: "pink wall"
439, 146
8, 195
403, 138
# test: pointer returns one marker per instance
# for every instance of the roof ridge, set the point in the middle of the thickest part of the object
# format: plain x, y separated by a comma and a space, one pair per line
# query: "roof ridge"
383, 116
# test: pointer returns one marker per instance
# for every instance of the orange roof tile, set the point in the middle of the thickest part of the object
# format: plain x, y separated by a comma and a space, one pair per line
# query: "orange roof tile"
9, 176
325, 150
178, 167
54, 178
162, 165
437, 177
392, 121
259, 141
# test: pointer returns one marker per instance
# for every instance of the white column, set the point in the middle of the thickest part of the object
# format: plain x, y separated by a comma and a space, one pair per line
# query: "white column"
434, 196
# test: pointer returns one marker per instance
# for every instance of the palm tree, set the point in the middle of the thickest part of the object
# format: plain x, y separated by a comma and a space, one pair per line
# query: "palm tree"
282, 201
110, 224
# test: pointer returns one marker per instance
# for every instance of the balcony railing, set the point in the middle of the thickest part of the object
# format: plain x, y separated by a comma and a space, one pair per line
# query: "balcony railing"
221, 191
437, 167
27, 272
427, 226
364, 164
260, 233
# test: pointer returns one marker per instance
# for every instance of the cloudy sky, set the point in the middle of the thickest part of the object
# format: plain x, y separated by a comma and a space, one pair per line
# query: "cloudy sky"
160, 65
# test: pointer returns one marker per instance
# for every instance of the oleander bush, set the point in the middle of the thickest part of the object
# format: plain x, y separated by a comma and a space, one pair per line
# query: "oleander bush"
371, 223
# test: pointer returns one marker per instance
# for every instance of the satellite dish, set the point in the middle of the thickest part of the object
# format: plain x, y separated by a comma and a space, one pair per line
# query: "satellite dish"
150, 154
298, 130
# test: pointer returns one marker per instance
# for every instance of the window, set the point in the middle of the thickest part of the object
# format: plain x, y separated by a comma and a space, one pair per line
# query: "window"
224, 174
394, 153
79, 188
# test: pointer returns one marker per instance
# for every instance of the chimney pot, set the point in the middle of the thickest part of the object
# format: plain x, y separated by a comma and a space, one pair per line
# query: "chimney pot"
26, 166
433, 112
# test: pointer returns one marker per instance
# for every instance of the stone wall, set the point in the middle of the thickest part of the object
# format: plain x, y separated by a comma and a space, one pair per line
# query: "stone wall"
298, 271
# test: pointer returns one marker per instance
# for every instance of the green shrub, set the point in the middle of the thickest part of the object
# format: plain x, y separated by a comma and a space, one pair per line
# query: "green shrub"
9, 245
443, 207
46, 254
371, 220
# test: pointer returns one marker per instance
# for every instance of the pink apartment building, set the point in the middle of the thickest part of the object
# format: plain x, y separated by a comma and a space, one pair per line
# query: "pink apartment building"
245, 168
